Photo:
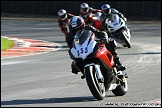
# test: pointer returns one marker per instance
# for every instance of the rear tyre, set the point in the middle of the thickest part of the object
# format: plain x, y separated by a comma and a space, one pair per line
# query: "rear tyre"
122, 88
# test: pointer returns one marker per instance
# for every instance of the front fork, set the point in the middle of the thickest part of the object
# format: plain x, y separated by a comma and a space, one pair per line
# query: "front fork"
97, 68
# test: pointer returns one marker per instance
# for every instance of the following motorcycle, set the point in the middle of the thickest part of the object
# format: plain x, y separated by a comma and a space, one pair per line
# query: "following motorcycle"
96, 64
117, 27
96, 21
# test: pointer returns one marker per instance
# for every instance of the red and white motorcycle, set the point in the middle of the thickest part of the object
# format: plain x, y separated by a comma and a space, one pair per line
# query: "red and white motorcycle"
97, 22
94, 20
96, 64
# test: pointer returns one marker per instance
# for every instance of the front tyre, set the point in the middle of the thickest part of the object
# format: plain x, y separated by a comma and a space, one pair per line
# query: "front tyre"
97, 88
126, 39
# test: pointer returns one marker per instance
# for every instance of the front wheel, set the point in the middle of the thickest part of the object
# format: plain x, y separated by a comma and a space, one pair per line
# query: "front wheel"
96, 87
126, 37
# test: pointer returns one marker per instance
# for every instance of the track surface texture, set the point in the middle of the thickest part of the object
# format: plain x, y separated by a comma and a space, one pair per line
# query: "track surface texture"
45, 79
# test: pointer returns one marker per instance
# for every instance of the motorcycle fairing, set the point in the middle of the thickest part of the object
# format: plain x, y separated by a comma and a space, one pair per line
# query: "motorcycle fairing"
105, 56
114, 22
84, 49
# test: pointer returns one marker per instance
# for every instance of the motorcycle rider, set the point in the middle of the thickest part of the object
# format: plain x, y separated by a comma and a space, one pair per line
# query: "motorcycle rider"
86, 12
77, 23
63, 21
106, 12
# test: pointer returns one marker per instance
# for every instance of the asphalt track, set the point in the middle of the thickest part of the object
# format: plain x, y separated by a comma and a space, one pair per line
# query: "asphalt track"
45, 80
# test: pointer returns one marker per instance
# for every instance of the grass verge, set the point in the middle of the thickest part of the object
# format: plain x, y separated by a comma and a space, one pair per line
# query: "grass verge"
6, 44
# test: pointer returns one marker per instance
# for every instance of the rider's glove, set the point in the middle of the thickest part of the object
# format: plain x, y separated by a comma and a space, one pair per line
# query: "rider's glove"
104, 40
103, 37
88, 26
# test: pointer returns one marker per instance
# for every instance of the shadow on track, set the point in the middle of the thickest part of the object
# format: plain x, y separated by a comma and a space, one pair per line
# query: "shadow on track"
51, 100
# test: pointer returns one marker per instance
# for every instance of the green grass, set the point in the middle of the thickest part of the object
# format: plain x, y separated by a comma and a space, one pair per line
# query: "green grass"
6, 44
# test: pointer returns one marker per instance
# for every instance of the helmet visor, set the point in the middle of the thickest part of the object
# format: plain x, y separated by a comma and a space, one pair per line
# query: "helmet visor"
63, 16
80, 37
107, 11
85, 10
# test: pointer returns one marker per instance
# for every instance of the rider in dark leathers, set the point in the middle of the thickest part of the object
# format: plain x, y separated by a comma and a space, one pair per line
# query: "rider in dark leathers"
63, 21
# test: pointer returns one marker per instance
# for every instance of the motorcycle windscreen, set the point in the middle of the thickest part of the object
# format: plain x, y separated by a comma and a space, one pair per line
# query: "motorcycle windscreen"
81, 36
113, 17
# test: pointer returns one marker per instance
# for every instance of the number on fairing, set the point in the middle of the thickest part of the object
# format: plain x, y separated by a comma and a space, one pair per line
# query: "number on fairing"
82, 50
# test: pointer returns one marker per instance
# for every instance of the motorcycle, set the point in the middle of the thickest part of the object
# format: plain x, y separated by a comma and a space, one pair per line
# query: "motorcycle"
97, 23
96, 64
94, 20
119, 30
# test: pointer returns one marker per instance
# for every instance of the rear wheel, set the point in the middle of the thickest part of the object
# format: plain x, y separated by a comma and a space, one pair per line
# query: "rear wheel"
96, 87
122, 88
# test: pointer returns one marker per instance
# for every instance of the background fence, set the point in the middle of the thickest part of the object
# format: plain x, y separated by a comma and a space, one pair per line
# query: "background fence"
133, 9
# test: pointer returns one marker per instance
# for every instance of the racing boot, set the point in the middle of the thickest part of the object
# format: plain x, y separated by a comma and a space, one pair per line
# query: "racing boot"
120, 66
118, 63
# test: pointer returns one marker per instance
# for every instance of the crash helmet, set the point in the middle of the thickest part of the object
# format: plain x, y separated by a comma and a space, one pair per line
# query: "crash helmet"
76, 23
84, 7
106, 9
62, 14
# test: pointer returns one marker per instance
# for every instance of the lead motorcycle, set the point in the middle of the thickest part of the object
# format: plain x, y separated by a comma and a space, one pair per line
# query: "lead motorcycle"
96, 64
119, 30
